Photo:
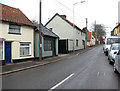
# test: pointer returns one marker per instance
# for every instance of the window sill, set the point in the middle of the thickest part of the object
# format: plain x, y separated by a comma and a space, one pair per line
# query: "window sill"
25, 55
14, 33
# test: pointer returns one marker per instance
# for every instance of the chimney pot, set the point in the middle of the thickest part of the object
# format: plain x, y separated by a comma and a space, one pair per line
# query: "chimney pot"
64, 16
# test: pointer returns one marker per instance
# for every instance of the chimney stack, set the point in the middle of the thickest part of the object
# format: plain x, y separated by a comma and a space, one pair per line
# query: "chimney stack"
64, 16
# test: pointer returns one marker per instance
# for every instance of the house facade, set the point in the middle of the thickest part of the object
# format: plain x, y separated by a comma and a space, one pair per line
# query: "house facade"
71, 39
90, 39
18, 34
49, 42
116, 30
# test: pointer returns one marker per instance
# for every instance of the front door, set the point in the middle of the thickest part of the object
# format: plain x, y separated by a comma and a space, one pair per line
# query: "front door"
8, 53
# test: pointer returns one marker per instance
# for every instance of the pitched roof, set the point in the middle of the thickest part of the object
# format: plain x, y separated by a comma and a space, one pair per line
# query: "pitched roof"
89, 35
47, 32
10, 14
64, 18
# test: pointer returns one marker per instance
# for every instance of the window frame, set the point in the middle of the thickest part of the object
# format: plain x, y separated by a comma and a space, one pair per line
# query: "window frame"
47, 44
29, 49
14, 27
77, 42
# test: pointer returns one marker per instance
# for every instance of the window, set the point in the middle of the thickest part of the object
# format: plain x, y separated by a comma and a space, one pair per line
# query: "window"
25, 49
47, 44
1, 50
14, 29
76, 42
113, 40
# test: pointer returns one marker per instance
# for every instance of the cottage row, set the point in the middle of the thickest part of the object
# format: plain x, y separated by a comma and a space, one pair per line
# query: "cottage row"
19, 37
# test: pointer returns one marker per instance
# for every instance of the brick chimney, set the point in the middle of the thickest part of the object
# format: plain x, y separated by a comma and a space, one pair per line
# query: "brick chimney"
64, 16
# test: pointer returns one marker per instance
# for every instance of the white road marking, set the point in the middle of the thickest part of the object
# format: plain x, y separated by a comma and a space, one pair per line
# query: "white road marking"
104, 74
77, 54
61, 82
98, 73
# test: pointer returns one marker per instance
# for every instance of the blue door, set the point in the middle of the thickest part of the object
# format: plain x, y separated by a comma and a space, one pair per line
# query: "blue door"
8, 55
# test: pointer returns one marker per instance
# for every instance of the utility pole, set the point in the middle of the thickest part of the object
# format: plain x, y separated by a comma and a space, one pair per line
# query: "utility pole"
40, 45
96, 32
86, 30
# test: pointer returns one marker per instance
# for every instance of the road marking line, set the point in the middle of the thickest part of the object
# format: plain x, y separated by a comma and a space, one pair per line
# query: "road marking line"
104, 73
61, 82
77, 54
98, 73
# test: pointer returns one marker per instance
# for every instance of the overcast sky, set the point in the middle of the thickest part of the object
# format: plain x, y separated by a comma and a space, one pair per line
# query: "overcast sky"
103, 11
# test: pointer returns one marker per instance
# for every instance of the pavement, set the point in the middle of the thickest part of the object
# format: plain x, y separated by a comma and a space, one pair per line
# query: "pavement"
16, 67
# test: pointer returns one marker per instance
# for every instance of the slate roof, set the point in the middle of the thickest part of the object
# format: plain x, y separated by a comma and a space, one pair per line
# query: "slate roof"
47, 32
62, 16
14, 15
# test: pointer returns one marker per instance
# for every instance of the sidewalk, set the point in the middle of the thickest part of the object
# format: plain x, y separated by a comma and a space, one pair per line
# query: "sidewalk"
15, 67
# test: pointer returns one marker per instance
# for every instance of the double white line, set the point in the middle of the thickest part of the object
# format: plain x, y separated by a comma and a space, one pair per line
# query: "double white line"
54, 87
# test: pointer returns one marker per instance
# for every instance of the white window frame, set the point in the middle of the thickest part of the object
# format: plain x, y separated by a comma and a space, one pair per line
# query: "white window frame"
24, 47
3, 50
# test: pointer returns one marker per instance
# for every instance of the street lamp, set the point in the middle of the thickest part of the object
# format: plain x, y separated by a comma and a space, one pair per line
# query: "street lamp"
73, 22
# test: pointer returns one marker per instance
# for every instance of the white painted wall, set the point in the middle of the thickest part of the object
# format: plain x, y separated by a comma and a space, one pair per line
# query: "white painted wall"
65, 31
27, 35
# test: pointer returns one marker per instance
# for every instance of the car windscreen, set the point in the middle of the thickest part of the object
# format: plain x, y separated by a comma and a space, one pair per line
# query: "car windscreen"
113, 40
116, 48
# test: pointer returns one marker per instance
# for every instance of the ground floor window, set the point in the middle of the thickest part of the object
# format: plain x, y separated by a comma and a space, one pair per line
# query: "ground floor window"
2, 50
25, 49
47, 44
77, 43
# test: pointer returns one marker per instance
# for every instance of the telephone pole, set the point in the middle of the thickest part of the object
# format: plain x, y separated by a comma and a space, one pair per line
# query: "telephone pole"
40, 45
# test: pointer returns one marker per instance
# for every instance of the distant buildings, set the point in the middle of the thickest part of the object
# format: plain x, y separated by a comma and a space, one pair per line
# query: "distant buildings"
90, 39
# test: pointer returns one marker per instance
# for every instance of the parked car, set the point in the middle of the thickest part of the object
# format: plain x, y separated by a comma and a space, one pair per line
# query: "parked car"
113, 52
117, 63
108, 42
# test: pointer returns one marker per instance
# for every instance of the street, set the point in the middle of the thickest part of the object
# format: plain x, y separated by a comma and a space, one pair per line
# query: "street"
89, 70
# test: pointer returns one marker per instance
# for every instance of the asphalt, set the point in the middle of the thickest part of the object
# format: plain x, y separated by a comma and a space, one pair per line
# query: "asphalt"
16, 67
89, 70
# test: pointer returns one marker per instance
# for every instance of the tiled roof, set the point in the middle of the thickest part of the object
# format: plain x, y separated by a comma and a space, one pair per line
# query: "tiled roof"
10, 14
89, 35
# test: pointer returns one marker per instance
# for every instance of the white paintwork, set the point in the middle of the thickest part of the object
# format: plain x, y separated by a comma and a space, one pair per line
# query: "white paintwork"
27, 35
65, 31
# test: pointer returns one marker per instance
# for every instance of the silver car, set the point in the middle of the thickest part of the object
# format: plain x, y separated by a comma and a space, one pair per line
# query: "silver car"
113, 52
117, 63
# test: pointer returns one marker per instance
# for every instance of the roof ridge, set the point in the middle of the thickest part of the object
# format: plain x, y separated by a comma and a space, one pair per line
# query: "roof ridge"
17, 17
9, 6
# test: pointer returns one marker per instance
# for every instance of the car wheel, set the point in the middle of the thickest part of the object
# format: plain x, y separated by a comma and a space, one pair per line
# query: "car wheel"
115, 70
110, 62
106, 53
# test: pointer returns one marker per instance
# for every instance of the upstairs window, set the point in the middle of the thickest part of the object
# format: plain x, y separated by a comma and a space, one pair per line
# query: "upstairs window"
14, 29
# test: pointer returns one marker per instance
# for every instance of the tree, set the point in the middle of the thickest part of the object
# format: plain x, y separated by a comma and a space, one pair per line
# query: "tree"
99, 32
